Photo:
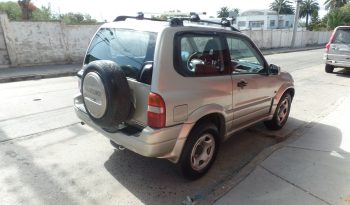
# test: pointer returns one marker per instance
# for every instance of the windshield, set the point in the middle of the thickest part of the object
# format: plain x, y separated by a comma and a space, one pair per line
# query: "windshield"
130, 49
342, 36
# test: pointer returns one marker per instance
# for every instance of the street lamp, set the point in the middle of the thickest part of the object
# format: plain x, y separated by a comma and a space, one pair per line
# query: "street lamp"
295, 25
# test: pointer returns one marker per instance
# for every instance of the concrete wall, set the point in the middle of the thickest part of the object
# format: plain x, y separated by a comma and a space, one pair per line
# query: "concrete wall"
4, 57
35, 43
281, 38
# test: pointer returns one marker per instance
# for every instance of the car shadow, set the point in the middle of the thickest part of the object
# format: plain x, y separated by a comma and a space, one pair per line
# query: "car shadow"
155, 181
343, 73
24, 180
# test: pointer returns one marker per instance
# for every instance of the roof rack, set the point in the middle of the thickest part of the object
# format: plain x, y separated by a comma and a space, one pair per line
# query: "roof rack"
178, 21
140, 16
195, 18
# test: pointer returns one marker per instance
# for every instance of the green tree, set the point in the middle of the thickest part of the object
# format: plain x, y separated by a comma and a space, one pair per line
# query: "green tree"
43, 14
161, 17
336, 17
12, 10
282, 7
236, 11
316, 23
333, 4
315, 17
224, 12
307, 7
77, 18
346, 10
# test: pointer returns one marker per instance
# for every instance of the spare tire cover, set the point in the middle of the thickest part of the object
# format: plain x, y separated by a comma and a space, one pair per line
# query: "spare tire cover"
106, 94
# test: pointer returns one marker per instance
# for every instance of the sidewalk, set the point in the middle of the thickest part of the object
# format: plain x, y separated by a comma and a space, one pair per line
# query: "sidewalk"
13, 74
312, 169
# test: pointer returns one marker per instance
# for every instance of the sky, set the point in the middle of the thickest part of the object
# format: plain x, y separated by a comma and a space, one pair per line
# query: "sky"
109, 9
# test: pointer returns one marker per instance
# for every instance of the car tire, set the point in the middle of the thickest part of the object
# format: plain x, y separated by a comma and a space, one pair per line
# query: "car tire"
104, 82
200, 151
329, 68
281, 114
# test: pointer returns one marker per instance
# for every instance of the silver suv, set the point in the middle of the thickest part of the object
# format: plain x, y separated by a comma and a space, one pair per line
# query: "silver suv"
338, 49
177, 89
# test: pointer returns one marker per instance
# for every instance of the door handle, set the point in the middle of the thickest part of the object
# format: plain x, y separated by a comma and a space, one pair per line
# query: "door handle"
242, 84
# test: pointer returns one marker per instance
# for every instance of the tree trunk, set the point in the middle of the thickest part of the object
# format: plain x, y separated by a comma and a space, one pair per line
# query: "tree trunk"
307, 21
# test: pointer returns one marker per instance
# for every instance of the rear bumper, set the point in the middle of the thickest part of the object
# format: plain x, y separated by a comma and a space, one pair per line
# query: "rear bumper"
339, 64
161, 143
336, 63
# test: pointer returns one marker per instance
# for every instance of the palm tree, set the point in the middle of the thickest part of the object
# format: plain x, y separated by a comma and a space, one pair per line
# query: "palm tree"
224, 12
282, 7
307, 7
332, 4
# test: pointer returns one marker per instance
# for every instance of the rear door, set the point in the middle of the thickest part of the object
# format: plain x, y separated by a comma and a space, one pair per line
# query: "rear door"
340, 45
253, 88
131, 50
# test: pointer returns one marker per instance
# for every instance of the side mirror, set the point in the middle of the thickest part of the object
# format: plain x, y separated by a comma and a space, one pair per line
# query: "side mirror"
274, 69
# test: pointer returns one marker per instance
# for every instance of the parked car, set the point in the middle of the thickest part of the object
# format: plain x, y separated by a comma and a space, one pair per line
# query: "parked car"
338, 49
176, 90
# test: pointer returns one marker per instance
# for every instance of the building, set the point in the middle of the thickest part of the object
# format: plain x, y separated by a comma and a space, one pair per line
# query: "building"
263, 19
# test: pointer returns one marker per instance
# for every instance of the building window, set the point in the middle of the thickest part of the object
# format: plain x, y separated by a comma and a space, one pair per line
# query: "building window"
256, 24
241, 23
287, 23
272, 23
280, 23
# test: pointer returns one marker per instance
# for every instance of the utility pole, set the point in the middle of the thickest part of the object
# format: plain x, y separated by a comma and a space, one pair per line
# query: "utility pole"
295, 25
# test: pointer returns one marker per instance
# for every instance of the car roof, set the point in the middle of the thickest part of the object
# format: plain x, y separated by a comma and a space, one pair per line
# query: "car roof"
340, 27
158, 26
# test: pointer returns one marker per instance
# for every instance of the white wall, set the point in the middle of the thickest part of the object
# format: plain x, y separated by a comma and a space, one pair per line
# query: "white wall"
281, 38
4, 57
35, 43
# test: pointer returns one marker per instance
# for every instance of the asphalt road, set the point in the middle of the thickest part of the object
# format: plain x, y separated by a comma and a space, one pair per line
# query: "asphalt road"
48, 157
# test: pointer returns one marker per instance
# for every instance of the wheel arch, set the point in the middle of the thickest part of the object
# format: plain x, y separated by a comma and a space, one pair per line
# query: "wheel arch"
211, 113
286, 88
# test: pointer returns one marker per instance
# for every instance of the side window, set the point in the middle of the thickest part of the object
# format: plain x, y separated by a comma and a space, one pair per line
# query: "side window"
244, 58
202, 55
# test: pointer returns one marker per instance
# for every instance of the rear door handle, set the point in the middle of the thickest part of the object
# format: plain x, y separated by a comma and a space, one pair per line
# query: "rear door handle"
242, 84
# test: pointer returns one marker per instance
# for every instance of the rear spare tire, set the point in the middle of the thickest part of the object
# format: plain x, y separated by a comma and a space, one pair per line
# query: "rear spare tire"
106, 94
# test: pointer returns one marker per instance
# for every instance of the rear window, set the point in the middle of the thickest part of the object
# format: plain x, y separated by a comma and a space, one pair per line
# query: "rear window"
130, 49
342, 36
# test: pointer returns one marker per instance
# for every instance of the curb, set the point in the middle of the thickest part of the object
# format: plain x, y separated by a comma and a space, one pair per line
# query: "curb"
272, 52
36, 77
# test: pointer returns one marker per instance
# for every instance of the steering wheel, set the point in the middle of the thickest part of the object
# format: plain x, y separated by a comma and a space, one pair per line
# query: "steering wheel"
191, 62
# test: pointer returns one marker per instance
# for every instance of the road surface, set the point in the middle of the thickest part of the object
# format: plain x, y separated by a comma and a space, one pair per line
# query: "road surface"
48, 157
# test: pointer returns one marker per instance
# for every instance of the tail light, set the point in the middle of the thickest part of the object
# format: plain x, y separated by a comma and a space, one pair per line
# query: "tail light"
328, 45
156, 111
